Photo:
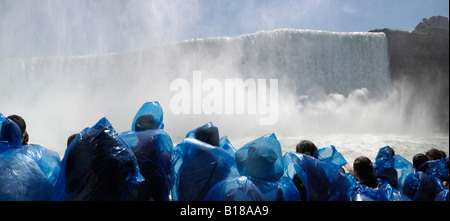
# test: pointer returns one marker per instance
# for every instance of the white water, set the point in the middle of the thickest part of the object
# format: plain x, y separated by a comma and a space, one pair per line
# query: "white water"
334, 88
352, 146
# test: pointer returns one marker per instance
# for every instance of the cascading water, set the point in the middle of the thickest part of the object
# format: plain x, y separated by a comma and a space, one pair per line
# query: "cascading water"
328, 83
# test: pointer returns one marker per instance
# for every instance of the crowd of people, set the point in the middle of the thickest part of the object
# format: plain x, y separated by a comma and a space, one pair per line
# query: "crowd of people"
143, 164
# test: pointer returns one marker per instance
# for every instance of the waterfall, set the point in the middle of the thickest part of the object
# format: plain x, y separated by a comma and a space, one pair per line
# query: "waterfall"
327, 81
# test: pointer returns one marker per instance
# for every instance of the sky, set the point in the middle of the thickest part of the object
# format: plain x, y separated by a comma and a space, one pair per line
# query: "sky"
63, 27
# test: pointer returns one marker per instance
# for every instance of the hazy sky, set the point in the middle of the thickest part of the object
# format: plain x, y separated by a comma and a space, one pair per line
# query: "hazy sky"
66, 27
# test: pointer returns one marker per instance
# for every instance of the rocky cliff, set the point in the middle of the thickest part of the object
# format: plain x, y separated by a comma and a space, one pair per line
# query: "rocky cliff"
420, 59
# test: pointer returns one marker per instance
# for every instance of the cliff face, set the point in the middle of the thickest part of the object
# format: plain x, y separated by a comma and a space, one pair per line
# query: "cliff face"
421, 60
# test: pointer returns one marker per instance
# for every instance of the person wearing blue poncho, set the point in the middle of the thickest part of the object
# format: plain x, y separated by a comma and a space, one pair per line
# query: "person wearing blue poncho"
261, 177
443, 195
384, 166
47, 160
10, 134
316, 180
437, 168
420, 186
319, 177
97, 165
153, 149
332, 156
209, 133
150, 116
23, 127
21, 178
371, 188
199, 165
391, 167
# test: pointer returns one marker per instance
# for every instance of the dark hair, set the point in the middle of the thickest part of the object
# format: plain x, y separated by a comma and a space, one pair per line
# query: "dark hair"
443, 154
145, 122
208, 134
20, 122
434, 154
71, 138
25, 138
364, 172
418, 160
306, 147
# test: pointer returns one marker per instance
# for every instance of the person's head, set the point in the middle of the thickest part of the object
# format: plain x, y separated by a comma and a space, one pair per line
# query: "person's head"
145, 122
71, 138
434, 154
21, 123
364, 171
10, 134
208, 134
418, 160
25, 139
443, 154
385, 157
306, 147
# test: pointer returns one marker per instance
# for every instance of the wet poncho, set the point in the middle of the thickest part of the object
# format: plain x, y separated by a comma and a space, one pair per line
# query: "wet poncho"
392, 168
97, 165
149, 116
442, 196
384, 166
437, 168
318, 180
421, 186
153, 149
384, 192
21, 177
10, 135
47, 160
198, 164
210, 134
404, 169
261, 168
330, 155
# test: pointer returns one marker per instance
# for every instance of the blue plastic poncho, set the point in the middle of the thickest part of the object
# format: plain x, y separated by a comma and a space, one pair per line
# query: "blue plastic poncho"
261, 159
210, 134
10, 134
384, 166
420, 186
153, 150
319, 180
437, 168
149, 116
392, 168
442, 196
97, 165
404, 168
197, 166
244, 188
227, 146
47, 160
385, 192
330, 155
261, 168
21, 178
